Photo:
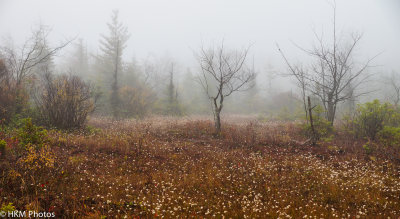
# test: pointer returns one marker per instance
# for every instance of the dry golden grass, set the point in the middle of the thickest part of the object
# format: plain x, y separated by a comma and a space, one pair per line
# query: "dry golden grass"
178, 168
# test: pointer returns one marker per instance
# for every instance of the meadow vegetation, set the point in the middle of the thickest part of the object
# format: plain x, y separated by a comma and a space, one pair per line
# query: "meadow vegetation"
176, 167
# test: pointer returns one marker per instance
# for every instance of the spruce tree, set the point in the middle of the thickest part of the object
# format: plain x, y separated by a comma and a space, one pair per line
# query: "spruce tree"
112, 47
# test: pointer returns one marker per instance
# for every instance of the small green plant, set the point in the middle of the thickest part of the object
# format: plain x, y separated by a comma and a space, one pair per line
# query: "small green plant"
7, 208
369, 147
389, 136
328, 138
90, 130
323, 127
3, 145
372, 117
30, 134
333, 148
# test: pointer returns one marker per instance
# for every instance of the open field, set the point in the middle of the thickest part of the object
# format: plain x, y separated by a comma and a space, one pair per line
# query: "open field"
166, 167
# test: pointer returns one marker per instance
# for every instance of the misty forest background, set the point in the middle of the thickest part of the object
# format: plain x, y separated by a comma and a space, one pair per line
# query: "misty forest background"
123, 88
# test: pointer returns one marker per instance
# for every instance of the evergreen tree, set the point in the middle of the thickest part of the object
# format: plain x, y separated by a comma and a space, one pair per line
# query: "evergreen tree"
42, 51
112, 47
172, 101
79, 63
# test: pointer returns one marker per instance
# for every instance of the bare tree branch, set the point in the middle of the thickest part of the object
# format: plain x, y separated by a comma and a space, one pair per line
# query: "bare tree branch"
223, 72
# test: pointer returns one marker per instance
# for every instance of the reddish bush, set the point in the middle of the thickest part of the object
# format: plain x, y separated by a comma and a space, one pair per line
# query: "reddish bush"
65, 101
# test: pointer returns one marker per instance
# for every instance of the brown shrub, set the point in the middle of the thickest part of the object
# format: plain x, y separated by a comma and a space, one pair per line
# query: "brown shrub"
135, 101
7, 93
64, 101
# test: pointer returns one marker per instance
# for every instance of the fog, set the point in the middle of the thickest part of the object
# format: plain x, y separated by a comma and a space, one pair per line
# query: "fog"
175, 29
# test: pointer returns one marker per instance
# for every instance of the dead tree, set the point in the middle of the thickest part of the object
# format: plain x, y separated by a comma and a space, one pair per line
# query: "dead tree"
7, 93
313, 133
394, 82
22, 61
4, 76
223, 72
333, 70
299, 74
25, 61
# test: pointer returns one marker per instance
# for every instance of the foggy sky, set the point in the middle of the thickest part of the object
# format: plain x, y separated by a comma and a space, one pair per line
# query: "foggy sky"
177, 27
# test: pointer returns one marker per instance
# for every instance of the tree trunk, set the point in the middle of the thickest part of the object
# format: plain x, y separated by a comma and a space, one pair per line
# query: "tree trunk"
313, 133
303, 93
217, 113
331, 112
305, 107
115, 101
217, 121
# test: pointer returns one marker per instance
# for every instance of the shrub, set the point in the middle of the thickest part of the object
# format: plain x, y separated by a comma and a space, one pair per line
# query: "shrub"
65, 101
136, 101
30, 134
372, 117
323, 127
3, 145
90, 130
389, 136
34, 151
7, 102
37, 158
7, 93
13, 96
7, 208
369, 147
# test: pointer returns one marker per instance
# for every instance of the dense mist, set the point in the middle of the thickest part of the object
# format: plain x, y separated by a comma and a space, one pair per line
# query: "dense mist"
165, 34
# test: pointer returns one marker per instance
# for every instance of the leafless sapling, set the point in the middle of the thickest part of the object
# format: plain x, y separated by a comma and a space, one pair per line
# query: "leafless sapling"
223, 72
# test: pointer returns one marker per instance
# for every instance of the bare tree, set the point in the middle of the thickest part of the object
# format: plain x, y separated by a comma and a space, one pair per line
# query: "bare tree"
394, 81
223, 72
299, 73
34, 56
7, 96
22, 61
333, 71
4, 76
